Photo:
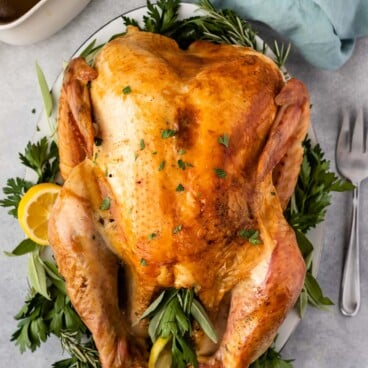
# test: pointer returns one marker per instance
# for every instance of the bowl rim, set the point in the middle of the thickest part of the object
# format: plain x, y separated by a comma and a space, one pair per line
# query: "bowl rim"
25, 16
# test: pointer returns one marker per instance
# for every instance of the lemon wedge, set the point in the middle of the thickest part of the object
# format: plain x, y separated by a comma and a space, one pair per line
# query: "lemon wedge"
34, 211
160, 356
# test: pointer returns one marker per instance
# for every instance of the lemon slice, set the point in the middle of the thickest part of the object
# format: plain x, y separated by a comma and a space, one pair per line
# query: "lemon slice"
34, 211
160, 356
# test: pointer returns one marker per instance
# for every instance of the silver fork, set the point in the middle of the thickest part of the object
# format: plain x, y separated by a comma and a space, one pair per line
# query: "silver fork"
352, 163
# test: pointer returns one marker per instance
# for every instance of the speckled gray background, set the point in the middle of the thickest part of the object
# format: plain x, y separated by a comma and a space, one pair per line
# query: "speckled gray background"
323, 339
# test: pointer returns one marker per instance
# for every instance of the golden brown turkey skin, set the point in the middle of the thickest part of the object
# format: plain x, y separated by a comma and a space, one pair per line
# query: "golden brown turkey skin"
178, 197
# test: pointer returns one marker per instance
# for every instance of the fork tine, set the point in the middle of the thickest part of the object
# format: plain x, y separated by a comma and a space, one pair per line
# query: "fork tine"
357, 144
343, 140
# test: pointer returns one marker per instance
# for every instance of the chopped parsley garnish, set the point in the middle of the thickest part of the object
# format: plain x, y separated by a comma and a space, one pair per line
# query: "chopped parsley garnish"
180, 188
181, 151
168, 133
220, 173
126, 90
105, 204
98, 141
177, 229
142, 145
224, 140
183, 165
251, 235
162, 165
152, 236
143, 262
33, 111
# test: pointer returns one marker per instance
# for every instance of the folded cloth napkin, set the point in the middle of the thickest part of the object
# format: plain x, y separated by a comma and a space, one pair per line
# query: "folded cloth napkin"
324, 31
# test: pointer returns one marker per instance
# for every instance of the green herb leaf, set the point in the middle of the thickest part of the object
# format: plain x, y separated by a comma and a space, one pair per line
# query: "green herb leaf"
105, 204
45, 91
225, 26
43, 158
171, 316
180, 188
271, 359
81, 348
24, 247
14, 191
251, 235
84, 53
281, 53
143, 262
312, 193
315, 295
126, 90
220, 173
183, 165
142, 145
168, 133
224, 140
181, 151
177, 229
152, 236
154, 306
37, 274
162, 165
204, 322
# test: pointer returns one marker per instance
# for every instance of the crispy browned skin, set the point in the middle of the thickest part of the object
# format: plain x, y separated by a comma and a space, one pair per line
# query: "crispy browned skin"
202, 93
75, 129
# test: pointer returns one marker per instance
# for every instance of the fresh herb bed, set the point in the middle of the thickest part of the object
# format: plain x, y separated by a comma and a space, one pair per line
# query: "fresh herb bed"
48, 310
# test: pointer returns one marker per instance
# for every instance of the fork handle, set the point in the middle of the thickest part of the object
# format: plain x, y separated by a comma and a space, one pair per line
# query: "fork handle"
350, 287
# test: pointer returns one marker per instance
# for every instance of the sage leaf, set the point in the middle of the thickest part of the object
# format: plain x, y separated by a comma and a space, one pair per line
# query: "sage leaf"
37, 274
204, 322
316, 297
45, 91
302, 303
152, 308
52, 272
153, 328
24, 247
88, 49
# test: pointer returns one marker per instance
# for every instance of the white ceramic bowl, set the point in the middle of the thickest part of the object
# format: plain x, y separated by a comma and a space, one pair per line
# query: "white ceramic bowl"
41, 21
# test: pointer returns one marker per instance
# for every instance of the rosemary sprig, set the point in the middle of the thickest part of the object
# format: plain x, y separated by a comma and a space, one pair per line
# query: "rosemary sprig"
225, 26
83, 353
281, 53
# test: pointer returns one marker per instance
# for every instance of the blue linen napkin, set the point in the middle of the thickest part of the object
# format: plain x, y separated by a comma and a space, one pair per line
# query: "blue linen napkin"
324, 31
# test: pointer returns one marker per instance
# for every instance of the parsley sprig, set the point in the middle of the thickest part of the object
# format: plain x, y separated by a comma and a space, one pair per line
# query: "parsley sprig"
312, 193
14, 191
271, 359
42, 157
307, 208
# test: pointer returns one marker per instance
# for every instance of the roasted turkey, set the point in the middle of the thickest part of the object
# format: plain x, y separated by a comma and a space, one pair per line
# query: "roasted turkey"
168, 156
